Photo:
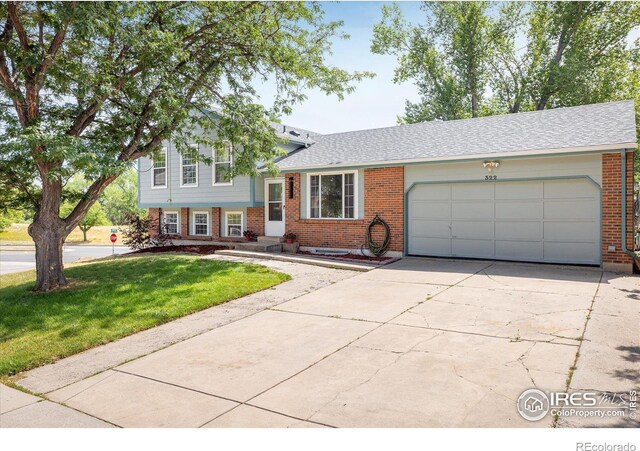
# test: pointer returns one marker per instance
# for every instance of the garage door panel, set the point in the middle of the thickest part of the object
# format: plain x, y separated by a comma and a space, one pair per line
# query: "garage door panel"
519, 190
554, 221
472, 229
570, 209
430, 210
472, 191
531, 209
431, 246
519, 250
472, 210
569, 252
430, 192
472, 248
518, 231
569, 189
570, 231
426, 228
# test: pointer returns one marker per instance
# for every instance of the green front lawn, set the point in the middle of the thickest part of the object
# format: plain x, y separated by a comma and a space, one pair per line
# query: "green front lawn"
111, 299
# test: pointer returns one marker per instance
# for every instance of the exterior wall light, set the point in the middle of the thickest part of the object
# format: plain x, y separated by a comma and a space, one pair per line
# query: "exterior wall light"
491, 165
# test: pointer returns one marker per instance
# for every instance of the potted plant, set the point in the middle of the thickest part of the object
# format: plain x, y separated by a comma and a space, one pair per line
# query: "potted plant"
290, 237
250, 235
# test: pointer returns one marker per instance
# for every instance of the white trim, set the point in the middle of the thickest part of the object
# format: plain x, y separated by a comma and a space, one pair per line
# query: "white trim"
193, 222
226, 222
497, 155
166, 170
355, 194
178, 225
190, 185
213, 168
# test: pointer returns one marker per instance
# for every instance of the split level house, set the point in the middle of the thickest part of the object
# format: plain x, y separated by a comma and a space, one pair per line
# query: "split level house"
552, 186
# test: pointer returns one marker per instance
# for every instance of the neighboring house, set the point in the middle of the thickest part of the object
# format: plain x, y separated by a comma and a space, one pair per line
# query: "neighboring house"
544, 186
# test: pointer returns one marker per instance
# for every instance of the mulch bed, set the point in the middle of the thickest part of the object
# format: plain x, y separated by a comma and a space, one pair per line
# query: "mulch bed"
348, 257
204, 249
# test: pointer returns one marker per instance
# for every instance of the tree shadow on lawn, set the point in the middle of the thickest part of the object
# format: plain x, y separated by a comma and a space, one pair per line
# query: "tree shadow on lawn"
114, 298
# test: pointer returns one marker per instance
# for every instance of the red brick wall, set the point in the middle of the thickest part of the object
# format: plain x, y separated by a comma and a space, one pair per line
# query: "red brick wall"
383, 195
255, 220
184, 222
154, 221
612, 208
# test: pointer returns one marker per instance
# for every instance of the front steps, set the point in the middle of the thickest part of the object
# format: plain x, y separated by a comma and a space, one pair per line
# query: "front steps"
269, 245
271, 239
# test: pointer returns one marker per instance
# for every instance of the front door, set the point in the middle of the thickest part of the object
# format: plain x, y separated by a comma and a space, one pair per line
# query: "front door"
274, 207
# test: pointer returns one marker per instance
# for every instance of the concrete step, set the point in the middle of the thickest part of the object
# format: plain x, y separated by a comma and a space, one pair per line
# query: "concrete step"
271, 239
315, 261
257, 246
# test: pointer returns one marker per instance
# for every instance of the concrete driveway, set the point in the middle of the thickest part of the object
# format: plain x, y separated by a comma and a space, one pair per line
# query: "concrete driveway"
419, 343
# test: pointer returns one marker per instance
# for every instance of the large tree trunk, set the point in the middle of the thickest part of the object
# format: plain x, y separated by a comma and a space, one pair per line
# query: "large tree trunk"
49, 231
49, 234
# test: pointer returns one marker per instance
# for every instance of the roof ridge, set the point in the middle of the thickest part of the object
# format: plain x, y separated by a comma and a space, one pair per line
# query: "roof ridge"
491, 117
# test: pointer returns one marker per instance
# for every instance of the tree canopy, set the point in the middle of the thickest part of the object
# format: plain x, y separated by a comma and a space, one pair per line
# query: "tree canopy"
90, 87
482, 58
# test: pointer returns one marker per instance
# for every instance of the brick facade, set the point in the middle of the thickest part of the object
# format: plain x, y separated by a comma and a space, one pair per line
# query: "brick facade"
255, 220
154, 221
383, 196
612, 211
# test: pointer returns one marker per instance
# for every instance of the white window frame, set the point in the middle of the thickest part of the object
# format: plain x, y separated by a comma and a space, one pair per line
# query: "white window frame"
355, 195
166, 170
164, 221
215, 163
193, 222
189, 185
226, 223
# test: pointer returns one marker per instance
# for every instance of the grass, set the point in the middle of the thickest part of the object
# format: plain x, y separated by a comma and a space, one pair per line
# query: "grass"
111, 299
97, 235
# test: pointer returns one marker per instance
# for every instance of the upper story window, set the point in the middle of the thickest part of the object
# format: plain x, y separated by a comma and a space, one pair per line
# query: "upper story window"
332, 196
160, 169
189, 166
171, 223
222, 165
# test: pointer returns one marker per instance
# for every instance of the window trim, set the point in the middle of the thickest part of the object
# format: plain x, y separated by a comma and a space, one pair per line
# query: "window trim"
166, 170
355, 195
214, 164
226, 223
190, 185
193, 222
178, 226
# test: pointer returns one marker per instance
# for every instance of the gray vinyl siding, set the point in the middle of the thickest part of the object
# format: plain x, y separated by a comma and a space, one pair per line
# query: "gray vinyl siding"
204, 194
518, 168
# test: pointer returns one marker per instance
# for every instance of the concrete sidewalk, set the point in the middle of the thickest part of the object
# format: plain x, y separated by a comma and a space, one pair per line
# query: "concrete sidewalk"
19, 409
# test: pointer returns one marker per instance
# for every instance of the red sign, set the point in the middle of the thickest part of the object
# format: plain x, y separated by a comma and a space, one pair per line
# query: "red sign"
114, 237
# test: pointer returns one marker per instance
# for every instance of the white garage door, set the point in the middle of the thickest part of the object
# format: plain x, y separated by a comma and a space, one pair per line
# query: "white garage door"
555, 221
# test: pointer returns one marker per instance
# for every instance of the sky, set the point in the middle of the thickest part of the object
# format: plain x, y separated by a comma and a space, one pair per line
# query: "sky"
376, 102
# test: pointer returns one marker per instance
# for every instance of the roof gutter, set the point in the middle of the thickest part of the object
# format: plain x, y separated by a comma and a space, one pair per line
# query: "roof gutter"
623, 165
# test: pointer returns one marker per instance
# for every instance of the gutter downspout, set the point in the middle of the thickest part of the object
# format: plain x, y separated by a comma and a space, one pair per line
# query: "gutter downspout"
632, 254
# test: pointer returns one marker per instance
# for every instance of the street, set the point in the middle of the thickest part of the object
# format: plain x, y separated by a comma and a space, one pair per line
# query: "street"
22, 258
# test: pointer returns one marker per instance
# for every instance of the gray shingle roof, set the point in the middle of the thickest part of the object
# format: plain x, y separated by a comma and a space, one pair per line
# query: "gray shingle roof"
603, 124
